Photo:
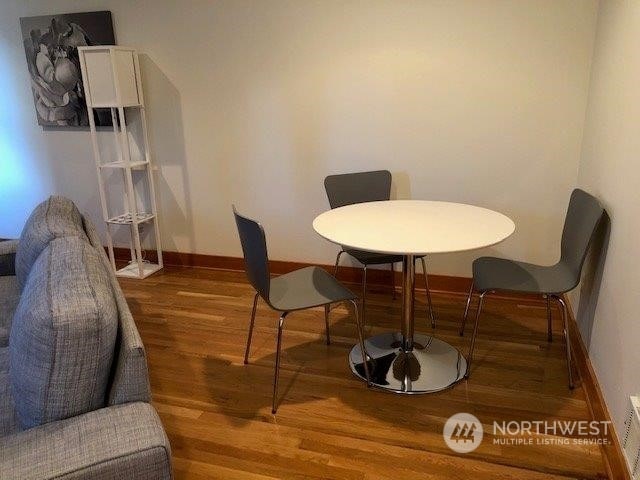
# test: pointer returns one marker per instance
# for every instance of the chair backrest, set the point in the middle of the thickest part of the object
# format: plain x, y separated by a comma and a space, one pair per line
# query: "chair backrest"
583, 215
359, 187
254, 249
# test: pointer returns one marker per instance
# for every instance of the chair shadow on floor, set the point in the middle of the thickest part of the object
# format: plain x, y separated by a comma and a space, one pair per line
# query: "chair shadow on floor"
313, 372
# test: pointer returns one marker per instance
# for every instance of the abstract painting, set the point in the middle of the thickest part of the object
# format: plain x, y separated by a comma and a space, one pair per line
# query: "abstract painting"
51, 45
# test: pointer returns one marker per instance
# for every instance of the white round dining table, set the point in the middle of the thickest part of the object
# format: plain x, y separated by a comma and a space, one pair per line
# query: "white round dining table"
404, 361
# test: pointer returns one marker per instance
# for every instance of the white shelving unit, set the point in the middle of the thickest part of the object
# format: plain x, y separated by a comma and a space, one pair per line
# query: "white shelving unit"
111, 78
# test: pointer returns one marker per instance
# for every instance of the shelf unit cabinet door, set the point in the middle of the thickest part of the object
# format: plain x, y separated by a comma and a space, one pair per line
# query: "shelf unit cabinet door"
126, 77
100, 87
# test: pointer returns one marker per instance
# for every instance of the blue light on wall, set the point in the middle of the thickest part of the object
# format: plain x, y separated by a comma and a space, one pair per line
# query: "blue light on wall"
23, 181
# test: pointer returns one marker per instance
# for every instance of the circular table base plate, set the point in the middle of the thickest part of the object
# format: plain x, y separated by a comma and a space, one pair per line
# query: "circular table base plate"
431, 366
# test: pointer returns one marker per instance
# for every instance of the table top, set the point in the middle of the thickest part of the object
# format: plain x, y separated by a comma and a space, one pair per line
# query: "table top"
413, 227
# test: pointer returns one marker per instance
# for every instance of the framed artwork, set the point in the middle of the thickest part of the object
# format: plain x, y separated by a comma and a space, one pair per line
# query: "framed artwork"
51, 46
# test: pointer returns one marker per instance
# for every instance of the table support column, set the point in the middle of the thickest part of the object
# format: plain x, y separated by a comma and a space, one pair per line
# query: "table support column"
408, 284
407, 362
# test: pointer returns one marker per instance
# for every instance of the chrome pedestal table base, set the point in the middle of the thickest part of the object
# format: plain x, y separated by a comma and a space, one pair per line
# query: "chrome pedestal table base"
432, 365
404, 362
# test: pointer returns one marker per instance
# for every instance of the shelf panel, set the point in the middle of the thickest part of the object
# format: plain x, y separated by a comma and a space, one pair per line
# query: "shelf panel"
108, 47
114, 105
127, 218
132, 270
138, 164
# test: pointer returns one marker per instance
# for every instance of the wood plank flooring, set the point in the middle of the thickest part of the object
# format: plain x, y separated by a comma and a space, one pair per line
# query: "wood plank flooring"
217, 411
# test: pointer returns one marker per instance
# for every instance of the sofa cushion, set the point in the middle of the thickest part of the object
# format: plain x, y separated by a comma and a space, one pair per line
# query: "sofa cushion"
8, 419
53, 218
94, 239
9, 298
130, 378
62, 339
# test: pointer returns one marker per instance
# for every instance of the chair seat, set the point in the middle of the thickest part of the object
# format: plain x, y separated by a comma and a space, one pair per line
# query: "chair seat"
372, 258
491, 273
306, 288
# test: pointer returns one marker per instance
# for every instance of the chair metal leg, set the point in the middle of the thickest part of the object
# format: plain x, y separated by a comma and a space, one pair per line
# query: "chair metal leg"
363, 351
549, 324
426, 286
253, 318
393, 281
326, 322
475, 334
565, 321
274, 406
335, 269
466, 309
364, 296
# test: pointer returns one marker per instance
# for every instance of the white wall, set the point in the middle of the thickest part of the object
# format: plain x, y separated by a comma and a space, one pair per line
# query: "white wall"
254, 102
609, 168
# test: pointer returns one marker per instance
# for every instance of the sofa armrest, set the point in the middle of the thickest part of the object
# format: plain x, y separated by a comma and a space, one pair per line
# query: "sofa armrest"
122, 441
8, 250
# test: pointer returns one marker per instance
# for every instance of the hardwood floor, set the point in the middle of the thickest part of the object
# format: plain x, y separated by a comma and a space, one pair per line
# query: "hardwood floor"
217, 411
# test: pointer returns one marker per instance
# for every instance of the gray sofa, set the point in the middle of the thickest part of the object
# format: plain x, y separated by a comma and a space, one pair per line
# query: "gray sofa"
74, 385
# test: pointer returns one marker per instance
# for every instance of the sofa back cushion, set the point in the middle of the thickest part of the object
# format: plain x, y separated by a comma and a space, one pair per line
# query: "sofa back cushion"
63, 335
129, 374
55, 217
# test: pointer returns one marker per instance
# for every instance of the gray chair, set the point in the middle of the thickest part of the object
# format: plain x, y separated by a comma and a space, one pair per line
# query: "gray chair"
298, 290
360, 187
492, 274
